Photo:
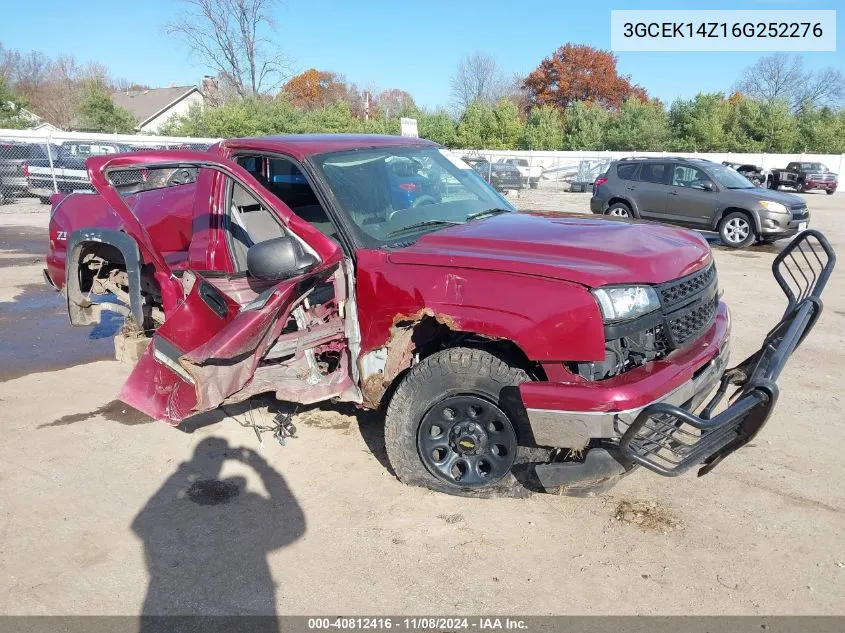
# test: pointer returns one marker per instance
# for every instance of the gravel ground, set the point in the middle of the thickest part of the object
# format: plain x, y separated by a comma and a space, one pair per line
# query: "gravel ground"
105, 512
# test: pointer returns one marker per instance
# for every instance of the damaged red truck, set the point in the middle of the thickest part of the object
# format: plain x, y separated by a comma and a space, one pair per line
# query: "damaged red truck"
510, 351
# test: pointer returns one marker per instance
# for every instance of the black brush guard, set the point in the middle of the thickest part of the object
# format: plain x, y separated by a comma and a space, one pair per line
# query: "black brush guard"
669, 440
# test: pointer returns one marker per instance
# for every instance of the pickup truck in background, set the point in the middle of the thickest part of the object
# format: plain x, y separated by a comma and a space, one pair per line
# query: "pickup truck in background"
68, 165
804, 176
530, 173
13, 156
510, 351
503, 176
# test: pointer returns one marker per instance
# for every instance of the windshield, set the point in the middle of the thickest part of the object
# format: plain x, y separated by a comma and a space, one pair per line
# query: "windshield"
392, 194
813, 167
729, 178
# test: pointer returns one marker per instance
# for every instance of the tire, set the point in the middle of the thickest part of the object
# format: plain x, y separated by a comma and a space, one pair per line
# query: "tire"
736, 230
433, 411
619, 210
830, 192
800, 187
44, 200
773, 184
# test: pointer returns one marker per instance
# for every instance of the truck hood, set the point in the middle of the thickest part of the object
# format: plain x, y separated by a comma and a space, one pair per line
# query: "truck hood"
586, 250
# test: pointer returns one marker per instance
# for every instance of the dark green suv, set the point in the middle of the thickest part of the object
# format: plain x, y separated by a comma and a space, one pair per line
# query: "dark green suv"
698, 194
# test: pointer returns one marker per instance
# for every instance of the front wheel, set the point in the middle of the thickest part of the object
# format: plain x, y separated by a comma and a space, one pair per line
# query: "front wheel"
830, 192
800, 187
452, 425
736, 230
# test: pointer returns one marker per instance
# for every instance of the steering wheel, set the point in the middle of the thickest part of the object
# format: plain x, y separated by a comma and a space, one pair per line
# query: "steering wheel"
181, 177
419, 202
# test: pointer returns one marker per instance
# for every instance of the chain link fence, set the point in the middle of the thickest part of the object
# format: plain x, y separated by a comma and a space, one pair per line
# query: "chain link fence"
576, 171
35, 165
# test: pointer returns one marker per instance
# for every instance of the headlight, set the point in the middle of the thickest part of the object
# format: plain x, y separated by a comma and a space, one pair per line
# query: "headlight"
776, 207
626, 302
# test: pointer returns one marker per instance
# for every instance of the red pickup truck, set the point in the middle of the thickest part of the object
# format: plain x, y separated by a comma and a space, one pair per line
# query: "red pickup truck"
511, 351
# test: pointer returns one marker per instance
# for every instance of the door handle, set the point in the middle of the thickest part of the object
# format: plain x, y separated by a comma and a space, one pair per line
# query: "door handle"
212, 298
629, 188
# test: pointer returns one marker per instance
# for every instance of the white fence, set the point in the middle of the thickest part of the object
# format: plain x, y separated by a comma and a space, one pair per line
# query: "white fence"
40, 163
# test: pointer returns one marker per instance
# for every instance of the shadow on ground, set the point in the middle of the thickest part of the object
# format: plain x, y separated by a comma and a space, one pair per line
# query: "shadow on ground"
206, 538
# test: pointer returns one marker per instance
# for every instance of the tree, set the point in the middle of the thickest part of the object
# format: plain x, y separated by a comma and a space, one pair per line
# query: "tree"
393, 101
99, 113
315, 89
576, 72
506, 125
543, 128
477, 78
700, 124
471, 129
230, 36
334, 118
821, 130
11, 106
438, 127
782, 77
639, 125
585, 126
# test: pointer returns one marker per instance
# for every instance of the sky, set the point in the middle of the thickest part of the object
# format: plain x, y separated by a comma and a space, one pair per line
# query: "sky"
412, 46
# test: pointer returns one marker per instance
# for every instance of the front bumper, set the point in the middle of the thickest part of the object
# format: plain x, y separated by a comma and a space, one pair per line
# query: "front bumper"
826, 185
781, 225
620, 416
571, 414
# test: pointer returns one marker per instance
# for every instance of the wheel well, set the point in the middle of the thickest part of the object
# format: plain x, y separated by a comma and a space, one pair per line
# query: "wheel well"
90, 253
423, 338
109, 262
745, 212
613, 201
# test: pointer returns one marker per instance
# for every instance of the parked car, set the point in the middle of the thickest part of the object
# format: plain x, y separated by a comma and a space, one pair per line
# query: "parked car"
755, 174
530, 173
507, 349
803, 177
699, 194
13, 156
502, 176
68, 167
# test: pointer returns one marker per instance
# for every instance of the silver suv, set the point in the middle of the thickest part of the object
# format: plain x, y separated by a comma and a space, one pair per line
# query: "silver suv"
698, 194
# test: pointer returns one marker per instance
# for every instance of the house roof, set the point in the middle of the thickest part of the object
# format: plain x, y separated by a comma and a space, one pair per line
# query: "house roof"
147, 104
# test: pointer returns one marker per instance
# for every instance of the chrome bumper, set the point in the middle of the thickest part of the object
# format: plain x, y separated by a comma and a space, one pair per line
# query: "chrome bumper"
574, 429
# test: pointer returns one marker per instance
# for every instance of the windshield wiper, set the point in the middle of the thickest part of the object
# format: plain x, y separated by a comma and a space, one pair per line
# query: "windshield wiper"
486, 212
419, 225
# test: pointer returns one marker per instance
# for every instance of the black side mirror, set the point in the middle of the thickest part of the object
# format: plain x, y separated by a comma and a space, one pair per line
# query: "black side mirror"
278, 259
707, 186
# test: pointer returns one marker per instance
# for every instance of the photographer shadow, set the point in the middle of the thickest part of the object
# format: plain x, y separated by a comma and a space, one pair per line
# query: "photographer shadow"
206, 539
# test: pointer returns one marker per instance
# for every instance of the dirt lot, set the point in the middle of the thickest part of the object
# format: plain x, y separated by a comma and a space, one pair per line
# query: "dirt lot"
105, 512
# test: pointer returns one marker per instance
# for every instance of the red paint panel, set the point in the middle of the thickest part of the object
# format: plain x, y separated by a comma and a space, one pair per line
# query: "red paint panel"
547, 318
583, 249
635, 388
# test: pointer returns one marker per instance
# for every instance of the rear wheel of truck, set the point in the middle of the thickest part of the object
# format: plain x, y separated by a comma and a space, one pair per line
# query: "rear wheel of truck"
800, 187
452, 425
736, 230
619, 210
830, 192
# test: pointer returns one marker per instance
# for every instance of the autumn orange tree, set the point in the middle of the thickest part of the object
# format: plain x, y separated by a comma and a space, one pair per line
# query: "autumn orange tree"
315, 89
576, 72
